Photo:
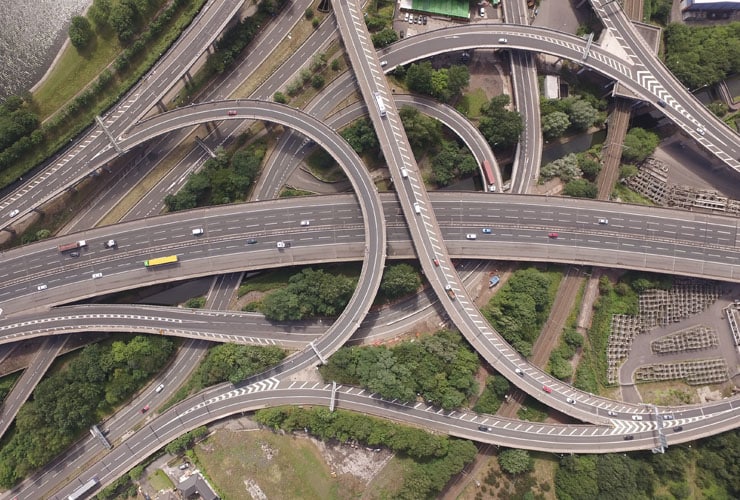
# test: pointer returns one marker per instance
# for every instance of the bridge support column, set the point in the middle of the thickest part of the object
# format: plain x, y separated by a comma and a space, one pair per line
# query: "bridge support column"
110, 136
588, 46
318, 354
333, 396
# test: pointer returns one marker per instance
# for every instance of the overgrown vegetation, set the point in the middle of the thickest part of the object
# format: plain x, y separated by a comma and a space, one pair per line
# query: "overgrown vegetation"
708, 469
492, 396
399, 280
702, 55
577, 170
571, 113
436, 458
65, 404
439, 368
621, 298
638, 145
224, 179
521, 307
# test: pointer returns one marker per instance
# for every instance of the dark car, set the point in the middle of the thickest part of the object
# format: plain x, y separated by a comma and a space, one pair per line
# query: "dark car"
629, 438
251, 241
145, 409
484, 428
74, 254
678, 429
553, 235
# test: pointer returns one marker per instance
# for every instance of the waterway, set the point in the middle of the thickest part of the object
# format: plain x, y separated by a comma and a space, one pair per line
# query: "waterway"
31, 34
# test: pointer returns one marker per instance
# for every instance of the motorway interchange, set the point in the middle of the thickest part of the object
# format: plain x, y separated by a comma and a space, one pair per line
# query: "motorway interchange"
705, 245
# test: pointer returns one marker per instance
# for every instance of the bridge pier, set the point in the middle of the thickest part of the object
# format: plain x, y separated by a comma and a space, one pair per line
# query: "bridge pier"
332, 403
110, 136
318, 354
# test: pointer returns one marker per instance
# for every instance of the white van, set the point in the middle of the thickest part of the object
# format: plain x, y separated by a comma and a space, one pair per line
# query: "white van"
404, 172
198, 231
471, 236
417, 208
97, 275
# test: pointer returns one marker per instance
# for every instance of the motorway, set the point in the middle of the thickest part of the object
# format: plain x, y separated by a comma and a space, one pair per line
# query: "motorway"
659, 240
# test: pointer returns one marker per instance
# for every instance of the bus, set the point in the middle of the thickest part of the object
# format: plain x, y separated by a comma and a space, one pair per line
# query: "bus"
84, 489
381, 104
160, 261
490, 179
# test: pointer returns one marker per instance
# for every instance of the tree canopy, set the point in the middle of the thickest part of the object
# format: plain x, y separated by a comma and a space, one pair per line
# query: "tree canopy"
309, 294
399, 280
235, 362
500, 126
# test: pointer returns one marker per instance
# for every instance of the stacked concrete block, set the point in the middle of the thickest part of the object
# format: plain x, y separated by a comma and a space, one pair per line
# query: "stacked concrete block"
690, 339
699, 372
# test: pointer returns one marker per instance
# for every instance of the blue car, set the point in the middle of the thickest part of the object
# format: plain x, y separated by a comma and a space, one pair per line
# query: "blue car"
486, 230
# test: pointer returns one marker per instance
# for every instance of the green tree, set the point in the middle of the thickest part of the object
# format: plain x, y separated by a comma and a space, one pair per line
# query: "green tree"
424, 133
515, 461
317, 81
280, 98
233, 363
580, 188
309, 13
361, 136
419, 77
589, 167
500, 127
555, 124
582, 114
80, 32
122, 19
639, 144
458, 77
384, 38
399, 280
99, 12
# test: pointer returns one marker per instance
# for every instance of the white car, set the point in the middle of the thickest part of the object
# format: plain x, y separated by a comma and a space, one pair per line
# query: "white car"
97, 275
603, 221
13, 213
41, 287
197, 231
159, 388
281, 244
636, 417
305, 222
700, 130
417, 208
571, 400
471, 236
406, 17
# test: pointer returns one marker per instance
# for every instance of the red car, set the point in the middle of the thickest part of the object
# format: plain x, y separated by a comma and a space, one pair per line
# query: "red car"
553, 235
546, 389
232, 112
145, 409
436, 262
